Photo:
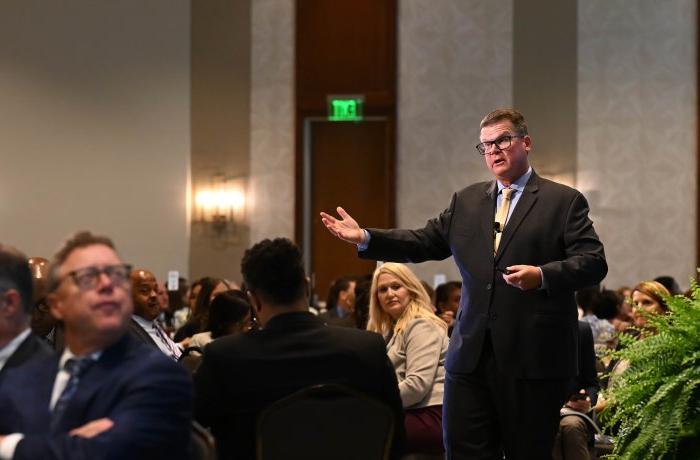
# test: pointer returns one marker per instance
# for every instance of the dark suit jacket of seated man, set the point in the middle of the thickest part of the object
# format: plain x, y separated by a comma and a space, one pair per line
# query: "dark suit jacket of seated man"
146, 395
240, 375
131, 402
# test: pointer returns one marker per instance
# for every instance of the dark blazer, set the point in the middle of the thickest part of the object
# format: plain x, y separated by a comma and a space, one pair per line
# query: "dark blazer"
534, 333
31, 348
147, 396
242, 374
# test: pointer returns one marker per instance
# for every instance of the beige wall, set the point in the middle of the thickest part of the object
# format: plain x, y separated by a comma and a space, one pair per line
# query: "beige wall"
455, 65
221, 48
272, 120
95, 121
94, 126
637, 134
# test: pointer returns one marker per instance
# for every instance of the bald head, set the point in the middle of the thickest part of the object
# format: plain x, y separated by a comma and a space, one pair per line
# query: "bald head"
144, 291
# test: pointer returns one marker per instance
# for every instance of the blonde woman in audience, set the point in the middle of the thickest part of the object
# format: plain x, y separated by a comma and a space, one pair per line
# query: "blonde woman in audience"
647, 299
401, 311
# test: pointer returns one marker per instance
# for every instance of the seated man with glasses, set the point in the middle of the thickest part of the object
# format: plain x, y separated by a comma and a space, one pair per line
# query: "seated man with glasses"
106, 395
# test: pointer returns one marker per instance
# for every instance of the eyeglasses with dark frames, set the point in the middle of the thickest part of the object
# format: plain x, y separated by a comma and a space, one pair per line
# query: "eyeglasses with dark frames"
88, 278
501, 143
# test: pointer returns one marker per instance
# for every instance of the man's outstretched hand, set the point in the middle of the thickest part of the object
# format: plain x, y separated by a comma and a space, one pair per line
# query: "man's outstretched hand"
346, 228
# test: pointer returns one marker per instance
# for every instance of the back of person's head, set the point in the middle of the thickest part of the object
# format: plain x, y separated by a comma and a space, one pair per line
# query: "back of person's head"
79, 240
273, 270
606, 304
669, 283
585, 297
515, 117
362, 290
15, 274
226, 310
418, 307
338, 285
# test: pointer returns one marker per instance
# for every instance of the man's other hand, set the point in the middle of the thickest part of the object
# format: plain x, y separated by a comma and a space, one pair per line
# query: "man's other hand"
523, 277
92, 429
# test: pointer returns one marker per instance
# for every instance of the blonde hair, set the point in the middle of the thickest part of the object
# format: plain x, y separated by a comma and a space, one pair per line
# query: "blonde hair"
418, 307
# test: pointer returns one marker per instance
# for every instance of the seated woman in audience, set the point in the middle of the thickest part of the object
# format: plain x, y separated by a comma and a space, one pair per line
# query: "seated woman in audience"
647, 299
416, 344
197, 322
229, 313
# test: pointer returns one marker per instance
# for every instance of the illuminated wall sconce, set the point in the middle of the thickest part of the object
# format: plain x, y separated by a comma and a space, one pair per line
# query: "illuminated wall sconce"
219, 208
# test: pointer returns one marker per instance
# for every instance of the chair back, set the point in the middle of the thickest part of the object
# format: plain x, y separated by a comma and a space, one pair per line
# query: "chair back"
202, 445
325, 421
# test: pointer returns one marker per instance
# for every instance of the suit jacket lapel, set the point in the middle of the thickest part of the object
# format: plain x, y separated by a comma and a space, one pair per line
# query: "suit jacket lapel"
487, 208
525, 203
141, 333
23, 351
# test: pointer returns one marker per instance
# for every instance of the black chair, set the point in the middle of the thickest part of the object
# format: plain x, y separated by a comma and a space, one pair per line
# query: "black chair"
323, 422
202, 445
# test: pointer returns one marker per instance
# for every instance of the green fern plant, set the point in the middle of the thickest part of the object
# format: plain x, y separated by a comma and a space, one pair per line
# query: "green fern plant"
655, 403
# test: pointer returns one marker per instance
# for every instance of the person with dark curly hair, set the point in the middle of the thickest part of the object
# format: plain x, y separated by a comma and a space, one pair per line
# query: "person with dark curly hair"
242, 374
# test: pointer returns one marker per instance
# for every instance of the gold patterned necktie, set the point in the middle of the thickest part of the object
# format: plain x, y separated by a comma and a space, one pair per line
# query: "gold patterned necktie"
501, 217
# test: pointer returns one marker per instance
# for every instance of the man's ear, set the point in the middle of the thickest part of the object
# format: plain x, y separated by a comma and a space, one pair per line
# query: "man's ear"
255, 301
54, 306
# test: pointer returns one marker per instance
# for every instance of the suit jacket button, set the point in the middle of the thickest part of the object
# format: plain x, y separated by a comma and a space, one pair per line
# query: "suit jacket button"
493, 316
488, 287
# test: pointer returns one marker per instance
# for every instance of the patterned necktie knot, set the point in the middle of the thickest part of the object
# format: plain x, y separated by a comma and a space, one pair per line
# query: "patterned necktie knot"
76, 366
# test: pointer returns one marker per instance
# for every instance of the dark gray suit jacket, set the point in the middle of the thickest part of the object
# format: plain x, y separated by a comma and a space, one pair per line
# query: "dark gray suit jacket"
534, 333
32, 347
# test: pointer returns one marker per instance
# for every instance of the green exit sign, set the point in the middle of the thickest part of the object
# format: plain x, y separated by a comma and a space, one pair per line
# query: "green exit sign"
345, 108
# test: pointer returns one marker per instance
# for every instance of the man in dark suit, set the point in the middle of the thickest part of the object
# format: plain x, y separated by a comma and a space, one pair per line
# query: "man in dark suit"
17, 343
144, 325
106, 396
240, 375
523, 244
